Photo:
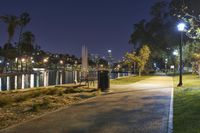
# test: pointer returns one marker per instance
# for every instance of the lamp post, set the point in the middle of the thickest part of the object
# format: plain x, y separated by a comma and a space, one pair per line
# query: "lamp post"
45, 61
166, 61
175, 53
23, 60
181, 27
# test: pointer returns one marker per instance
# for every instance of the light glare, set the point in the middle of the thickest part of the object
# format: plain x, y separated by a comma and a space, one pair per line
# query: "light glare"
181, 27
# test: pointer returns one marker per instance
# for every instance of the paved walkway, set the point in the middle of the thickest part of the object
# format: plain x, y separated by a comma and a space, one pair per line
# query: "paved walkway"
142, 107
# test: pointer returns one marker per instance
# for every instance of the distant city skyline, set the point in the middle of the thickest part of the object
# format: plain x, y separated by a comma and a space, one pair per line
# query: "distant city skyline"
64, 26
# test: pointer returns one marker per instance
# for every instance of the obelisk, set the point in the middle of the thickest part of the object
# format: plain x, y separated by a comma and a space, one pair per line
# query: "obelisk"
84, 67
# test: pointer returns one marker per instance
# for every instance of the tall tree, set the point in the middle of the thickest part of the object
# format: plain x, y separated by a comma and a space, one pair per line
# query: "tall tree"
141, 58
12, 23
27, 43
158, 33
23, 21
189, 12
191, 55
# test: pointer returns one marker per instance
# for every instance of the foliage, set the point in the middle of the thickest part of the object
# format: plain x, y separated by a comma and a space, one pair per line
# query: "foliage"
12, 23
9, 51
27, 50
141, 59
187, 11
191, 55
158, 33
24, 19
26, 44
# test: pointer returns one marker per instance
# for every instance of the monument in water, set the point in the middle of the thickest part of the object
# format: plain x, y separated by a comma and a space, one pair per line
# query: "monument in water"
84, 66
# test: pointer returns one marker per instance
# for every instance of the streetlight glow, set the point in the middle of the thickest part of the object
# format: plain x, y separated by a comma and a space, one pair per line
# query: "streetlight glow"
61, 61
181, 27
45, 60
109, 51
175, 52
23, 60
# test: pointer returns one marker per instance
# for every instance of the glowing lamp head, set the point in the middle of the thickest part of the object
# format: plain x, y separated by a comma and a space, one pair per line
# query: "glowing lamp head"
175, 52
181, 26
109, 51
23, 60
45, 60
61, 62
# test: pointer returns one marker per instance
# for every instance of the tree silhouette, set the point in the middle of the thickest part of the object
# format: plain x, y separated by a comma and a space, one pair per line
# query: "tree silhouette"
12, 22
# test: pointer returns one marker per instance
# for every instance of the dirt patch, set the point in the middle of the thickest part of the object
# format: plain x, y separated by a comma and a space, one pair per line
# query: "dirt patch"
19, 106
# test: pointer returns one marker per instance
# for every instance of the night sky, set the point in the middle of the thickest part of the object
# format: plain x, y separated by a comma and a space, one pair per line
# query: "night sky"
63, 26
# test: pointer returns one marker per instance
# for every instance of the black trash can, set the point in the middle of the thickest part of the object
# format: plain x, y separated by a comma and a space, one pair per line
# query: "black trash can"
103, 80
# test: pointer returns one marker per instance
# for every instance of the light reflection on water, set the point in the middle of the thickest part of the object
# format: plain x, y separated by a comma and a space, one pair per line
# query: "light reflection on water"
37, 79
43, 78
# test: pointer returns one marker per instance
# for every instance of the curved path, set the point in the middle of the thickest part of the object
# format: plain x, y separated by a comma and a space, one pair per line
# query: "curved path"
141, 107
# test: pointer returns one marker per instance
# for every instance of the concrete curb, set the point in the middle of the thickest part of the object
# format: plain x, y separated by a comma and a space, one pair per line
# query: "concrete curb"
170, 119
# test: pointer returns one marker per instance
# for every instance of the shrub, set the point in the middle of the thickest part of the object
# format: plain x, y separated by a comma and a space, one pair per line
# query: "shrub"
45, 102
67, 91
21, 98
60, 93
52, 91
35, 108
36, 94
5, 101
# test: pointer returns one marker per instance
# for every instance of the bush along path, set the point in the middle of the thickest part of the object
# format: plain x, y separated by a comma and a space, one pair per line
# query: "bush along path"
19, 106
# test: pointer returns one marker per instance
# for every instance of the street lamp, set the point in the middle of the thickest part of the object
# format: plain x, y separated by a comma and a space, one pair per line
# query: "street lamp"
61, 62
175, 53
166, 61
23, 60
181, 27
45, 60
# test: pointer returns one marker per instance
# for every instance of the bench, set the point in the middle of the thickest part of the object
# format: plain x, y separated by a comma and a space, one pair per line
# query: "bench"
88, 80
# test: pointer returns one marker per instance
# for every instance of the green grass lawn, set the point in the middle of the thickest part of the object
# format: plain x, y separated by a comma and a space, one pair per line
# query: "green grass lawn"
128, 80
187, 105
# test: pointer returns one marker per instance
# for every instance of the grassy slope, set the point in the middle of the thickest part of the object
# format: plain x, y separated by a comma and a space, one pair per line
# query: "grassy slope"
128, 80
187, 105
18, 106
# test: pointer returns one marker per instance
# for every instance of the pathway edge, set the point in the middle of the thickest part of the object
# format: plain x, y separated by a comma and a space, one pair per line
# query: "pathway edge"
170, 119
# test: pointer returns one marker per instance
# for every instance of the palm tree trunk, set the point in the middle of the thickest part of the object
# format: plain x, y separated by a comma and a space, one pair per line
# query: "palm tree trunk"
20, 33
19, 41
9, 39
18, 48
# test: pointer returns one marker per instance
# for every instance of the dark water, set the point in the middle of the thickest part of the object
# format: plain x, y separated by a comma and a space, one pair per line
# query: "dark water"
45, 78
37, 79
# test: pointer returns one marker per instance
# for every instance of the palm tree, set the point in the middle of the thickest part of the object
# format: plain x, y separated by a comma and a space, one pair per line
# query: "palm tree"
23, 21
27, 43
12, 22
